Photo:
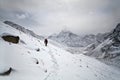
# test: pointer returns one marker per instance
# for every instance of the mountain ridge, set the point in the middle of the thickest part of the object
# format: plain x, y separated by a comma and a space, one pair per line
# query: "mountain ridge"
72, 40
22, 29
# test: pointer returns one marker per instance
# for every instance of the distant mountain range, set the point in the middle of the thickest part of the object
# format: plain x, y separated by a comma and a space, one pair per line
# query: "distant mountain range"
72, 40
103, 46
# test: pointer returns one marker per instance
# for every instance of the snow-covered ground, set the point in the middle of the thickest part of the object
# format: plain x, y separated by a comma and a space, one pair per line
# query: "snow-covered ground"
54, 63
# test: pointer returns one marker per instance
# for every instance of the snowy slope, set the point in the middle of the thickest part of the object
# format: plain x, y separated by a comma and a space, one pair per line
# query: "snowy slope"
53, 62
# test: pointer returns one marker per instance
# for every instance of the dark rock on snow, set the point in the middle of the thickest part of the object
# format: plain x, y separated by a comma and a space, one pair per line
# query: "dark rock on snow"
6, 72
10, 38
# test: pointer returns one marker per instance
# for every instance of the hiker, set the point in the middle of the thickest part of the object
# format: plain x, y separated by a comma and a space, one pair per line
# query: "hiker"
46, 42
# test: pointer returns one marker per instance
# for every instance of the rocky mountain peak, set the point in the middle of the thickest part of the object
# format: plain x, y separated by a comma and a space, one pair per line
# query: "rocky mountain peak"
115, 35
117, 29
66, 33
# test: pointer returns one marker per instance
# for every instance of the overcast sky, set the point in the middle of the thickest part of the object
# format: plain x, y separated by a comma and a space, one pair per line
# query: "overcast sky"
50, 16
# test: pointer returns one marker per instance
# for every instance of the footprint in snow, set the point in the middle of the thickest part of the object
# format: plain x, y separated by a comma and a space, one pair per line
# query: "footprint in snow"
80, 60
36, 61
87, 66
28, 52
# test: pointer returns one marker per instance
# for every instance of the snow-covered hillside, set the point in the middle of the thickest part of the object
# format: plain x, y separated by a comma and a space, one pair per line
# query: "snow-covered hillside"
109, 50
31, 60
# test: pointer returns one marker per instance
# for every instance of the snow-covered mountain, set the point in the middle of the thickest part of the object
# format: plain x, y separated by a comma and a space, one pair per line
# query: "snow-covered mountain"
103, 46
100, 37
70, 39
32, 60
76, 43
109, 49
22, 29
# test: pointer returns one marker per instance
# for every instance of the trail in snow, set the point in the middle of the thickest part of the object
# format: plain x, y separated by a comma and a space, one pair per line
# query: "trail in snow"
55, 66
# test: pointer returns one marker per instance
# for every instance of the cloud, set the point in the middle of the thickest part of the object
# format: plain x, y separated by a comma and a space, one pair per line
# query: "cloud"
49, 16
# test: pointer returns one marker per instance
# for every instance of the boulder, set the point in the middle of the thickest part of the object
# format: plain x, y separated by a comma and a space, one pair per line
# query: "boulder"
10, 38
6, 72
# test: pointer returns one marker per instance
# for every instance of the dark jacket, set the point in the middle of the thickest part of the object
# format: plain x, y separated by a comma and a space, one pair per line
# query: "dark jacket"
46, 42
